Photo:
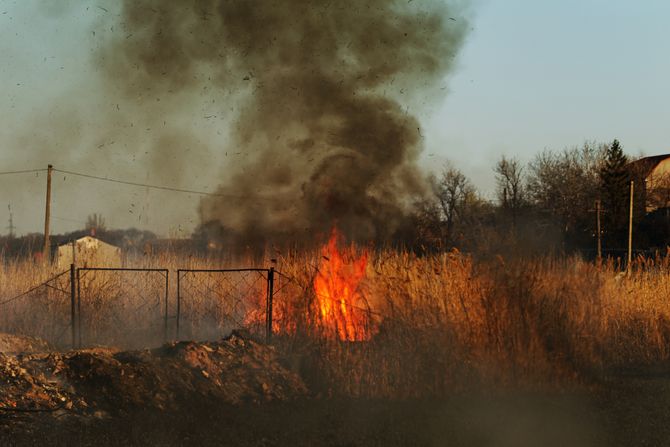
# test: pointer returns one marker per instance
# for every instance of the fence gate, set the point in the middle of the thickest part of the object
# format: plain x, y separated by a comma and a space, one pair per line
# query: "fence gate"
212, 303
122, 307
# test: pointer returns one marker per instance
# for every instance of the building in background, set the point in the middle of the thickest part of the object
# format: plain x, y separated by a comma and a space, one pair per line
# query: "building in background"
88, 252
652, 177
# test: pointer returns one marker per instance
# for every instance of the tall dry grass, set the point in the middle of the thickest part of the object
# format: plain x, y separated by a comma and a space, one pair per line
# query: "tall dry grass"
447, 322
441, 321
30, 310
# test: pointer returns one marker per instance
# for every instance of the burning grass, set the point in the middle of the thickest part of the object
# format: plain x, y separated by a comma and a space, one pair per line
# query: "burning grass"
445, 322
409, 326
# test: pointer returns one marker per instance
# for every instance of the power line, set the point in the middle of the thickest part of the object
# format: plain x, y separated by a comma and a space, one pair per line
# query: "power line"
27, 171
145, 185
138, 184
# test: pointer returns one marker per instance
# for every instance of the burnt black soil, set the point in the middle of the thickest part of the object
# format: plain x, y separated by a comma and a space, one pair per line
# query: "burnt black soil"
631, 410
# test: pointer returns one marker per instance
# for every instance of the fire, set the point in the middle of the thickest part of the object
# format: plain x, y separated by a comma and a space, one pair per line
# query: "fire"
341, 307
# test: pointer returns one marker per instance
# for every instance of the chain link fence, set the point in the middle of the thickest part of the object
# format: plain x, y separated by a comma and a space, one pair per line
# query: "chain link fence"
212, 303
122, 307
133, 308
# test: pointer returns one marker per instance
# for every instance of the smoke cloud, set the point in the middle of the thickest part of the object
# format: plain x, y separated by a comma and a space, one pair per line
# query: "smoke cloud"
319, 92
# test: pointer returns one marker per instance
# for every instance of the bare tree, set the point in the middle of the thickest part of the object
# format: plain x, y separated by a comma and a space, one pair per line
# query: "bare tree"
428, 226
95, 223
455, 215
454, 192
510, 185
563, 186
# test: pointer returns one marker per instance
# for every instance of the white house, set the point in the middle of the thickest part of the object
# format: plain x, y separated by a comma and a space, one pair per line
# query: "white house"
88, 252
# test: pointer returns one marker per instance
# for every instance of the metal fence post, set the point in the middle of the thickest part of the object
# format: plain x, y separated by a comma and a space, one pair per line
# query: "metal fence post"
178, 302
167, 290
268, 309
73, 298
79, 305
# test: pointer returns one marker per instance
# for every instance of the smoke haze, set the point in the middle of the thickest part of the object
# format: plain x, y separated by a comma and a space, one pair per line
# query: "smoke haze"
298, 112
314, 87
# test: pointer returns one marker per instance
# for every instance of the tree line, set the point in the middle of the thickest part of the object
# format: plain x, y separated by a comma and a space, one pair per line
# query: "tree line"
548, 205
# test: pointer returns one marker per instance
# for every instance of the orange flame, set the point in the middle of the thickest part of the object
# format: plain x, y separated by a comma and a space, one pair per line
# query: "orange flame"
341, 307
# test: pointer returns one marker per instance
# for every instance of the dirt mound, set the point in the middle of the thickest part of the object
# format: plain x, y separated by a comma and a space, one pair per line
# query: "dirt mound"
106, 381
21, 343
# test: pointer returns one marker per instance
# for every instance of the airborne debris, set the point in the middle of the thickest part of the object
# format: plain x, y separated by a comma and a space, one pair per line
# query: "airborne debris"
321, 140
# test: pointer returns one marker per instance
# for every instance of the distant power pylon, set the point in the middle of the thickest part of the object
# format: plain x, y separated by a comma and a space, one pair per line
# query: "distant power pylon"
11, 226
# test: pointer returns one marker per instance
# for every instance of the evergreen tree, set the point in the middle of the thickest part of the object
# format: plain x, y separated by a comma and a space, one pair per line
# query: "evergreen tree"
614, 178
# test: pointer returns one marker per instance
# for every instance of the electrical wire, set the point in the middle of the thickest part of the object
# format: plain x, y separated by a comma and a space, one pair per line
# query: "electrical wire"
142, 185
145, 185
26, 171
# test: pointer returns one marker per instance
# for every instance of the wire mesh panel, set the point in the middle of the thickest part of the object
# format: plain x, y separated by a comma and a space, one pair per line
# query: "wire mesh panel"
45, 311
290, 305
122, 307
212, 303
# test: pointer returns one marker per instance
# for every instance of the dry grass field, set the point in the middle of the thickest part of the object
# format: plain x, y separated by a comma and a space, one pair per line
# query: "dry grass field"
432, 324
444, 322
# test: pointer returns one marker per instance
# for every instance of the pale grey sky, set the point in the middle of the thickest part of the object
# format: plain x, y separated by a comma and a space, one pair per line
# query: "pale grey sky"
532, 75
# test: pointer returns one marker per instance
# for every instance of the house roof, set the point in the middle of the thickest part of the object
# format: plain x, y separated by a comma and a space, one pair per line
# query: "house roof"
645, 166
89, 242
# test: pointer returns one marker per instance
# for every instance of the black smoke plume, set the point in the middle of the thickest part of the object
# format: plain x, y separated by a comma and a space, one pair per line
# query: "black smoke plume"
320, 90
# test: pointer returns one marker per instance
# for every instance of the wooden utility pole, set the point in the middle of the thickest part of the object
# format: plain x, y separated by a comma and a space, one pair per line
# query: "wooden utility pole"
630, 229
600, 245
46, 253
